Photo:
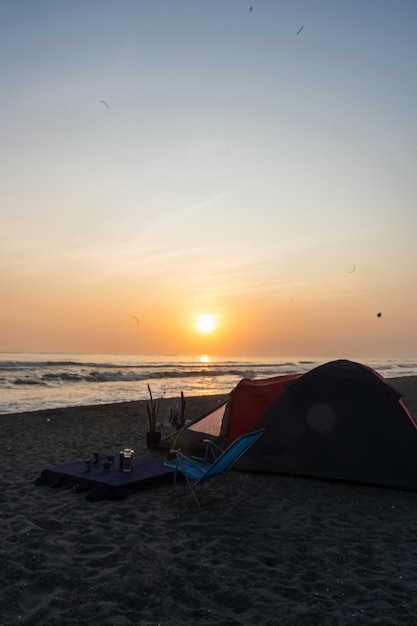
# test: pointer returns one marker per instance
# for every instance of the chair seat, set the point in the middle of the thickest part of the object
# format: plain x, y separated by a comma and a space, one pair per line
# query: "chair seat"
194, 469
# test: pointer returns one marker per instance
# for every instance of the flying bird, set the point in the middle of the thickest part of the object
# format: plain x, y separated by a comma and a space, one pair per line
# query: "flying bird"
136, 320
299, 30
352, 270
379, 314
105, 103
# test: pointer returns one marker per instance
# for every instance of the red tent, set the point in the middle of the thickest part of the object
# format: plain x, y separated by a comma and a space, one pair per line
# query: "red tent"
248, 401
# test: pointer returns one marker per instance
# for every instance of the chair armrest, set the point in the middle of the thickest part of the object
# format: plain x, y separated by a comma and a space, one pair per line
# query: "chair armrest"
212, 449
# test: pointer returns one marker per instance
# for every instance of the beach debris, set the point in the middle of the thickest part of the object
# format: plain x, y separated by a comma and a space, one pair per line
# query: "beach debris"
105, 103
299, 30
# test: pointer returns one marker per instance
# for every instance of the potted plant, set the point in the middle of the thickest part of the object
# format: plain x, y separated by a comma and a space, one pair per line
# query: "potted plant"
183, 411
179, 415
152, 436
175, 439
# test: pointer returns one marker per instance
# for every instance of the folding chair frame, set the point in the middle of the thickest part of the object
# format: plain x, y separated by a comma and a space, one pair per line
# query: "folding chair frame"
197, 471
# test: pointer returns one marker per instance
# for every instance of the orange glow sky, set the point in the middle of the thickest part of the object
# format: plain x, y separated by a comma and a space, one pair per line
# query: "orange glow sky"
163, 160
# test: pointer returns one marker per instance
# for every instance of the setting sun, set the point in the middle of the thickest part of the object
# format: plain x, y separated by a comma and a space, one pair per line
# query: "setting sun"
206, 323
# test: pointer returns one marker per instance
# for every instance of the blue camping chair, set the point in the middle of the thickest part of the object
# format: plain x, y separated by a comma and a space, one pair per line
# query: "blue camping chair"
197, 471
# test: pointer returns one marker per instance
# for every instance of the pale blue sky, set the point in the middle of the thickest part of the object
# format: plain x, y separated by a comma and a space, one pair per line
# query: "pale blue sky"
206, 152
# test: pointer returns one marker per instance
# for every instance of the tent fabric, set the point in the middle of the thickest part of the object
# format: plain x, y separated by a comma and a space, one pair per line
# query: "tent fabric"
249, 400
211, 424
208, 426
237, 416
341, 421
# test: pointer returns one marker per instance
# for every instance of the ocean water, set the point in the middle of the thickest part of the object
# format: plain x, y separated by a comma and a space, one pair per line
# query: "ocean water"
29, 382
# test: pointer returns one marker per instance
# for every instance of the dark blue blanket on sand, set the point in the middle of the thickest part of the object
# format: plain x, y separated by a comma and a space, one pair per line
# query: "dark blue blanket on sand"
111, 485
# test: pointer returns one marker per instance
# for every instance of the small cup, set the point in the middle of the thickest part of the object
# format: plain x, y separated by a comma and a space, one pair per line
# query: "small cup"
110, 458
87, 465
95, 457
106, 466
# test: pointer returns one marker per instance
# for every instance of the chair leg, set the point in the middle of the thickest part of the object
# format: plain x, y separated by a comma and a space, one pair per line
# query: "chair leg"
174, 482
199, 485
189, 484
193, 492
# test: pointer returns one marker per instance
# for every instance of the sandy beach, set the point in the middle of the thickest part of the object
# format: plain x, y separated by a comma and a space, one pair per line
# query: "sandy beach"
282, 550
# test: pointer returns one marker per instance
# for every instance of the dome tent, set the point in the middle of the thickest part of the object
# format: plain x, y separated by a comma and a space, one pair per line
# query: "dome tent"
340, 421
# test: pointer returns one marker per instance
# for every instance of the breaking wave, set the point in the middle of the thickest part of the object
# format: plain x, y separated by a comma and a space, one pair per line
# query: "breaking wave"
34, 381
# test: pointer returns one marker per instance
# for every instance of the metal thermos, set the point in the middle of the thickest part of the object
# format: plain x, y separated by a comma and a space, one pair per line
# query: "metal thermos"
126, 459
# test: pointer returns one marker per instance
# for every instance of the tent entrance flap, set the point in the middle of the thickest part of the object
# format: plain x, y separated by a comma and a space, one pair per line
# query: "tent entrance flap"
210, 424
